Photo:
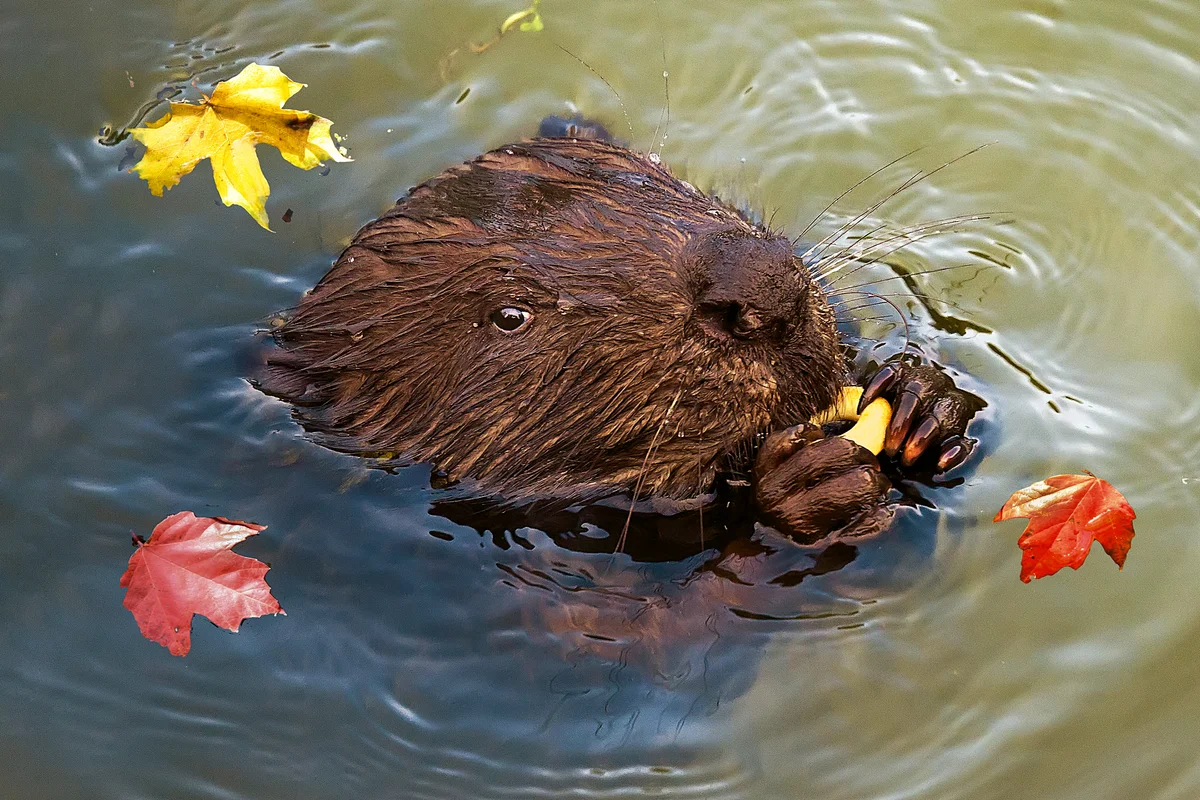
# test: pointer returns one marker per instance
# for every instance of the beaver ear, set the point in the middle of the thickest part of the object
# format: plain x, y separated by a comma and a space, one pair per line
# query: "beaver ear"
575, 127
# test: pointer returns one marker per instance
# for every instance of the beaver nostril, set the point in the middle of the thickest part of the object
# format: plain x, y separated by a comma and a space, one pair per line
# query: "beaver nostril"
739, 320
744, 321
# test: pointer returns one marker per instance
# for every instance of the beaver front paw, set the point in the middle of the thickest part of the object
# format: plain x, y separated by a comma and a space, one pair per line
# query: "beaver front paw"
930, 414
809, 486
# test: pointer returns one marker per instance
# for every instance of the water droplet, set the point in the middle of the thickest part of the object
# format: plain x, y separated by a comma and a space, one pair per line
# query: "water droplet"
655, 158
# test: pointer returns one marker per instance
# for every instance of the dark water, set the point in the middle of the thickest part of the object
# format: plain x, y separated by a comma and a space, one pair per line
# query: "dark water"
422, 659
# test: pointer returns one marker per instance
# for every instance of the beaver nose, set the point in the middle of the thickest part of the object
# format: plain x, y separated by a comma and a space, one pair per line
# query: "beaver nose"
752, 289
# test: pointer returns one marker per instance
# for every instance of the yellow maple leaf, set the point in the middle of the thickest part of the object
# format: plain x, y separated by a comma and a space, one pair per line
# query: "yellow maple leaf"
225, 128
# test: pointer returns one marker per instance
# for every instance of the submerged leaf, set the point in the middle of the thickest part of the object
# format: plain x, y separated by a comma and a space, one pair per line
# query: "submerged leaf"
225, 128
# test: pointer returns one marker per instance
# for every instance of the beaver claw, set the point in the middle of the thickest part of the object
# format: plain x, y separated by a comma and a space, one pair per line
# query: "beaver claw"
809, 486
930, 413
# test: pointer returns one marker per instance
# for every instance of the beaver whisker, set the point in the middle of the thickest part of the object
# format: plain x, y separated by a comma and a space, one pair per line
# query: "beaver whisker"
899, 313
771, 220
817, 251
869, 241
887, 225
860, 306
871, 319
666, 109
821, 262
920, 295
700, 486
916, 273
637, 489
844, 300
880, 250
796, 241
824, 244
912, 234
611, 88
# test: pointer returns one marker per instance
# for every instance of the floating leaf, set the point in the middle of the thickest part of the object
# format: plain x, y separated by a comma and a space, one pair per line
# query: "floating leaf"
188, 568
1066, 514
530, 19
225, 128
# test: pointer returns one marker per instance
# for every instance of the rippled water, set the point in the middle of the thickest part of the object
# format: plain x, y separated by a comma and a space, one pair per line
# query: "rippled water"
465, 665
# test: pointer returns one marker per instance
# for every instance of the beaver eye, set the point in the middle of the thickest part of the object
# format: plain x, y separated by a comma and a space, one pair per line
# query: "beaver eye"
510, 319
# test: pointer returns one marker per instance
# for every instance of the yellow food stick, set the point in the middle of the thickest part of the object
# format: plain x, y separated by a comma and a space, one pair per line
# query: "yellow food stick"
869, 427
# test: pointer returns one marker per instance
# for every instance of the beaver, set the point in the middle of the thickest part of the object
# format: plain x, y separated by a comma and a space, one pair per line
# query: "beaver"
563, 318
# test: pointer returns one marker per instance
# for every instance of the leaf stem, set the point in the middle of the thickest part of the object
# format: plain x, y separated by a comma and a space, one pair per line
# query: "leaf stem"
110, 137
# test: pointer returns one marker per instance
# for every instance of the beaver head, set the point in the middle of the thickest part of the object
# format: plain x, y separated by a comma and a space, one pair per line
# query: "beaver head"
559, 318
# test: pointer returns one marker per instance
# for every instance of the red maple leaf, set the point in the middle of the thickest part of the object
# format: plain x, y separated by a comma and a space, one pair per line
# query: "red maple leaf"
188, 568
1066, 514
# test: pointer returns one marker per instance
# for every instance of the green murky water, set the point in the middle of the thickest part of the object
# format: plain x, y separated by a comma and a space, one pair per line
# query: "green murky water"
413, 665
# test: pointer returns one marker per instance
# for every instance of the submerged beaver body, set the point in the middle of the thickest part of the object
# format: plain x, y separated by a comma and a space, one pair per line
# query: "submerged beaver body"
564, 318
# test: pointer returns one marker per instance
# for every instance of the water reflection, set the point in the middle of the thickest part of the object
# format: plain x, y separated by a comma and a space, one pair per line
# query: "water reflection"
646, 642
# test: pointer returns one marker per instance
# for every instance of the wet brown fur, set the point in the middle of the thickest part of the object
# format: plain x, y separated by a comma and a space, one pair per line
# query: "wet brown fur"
630, 369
